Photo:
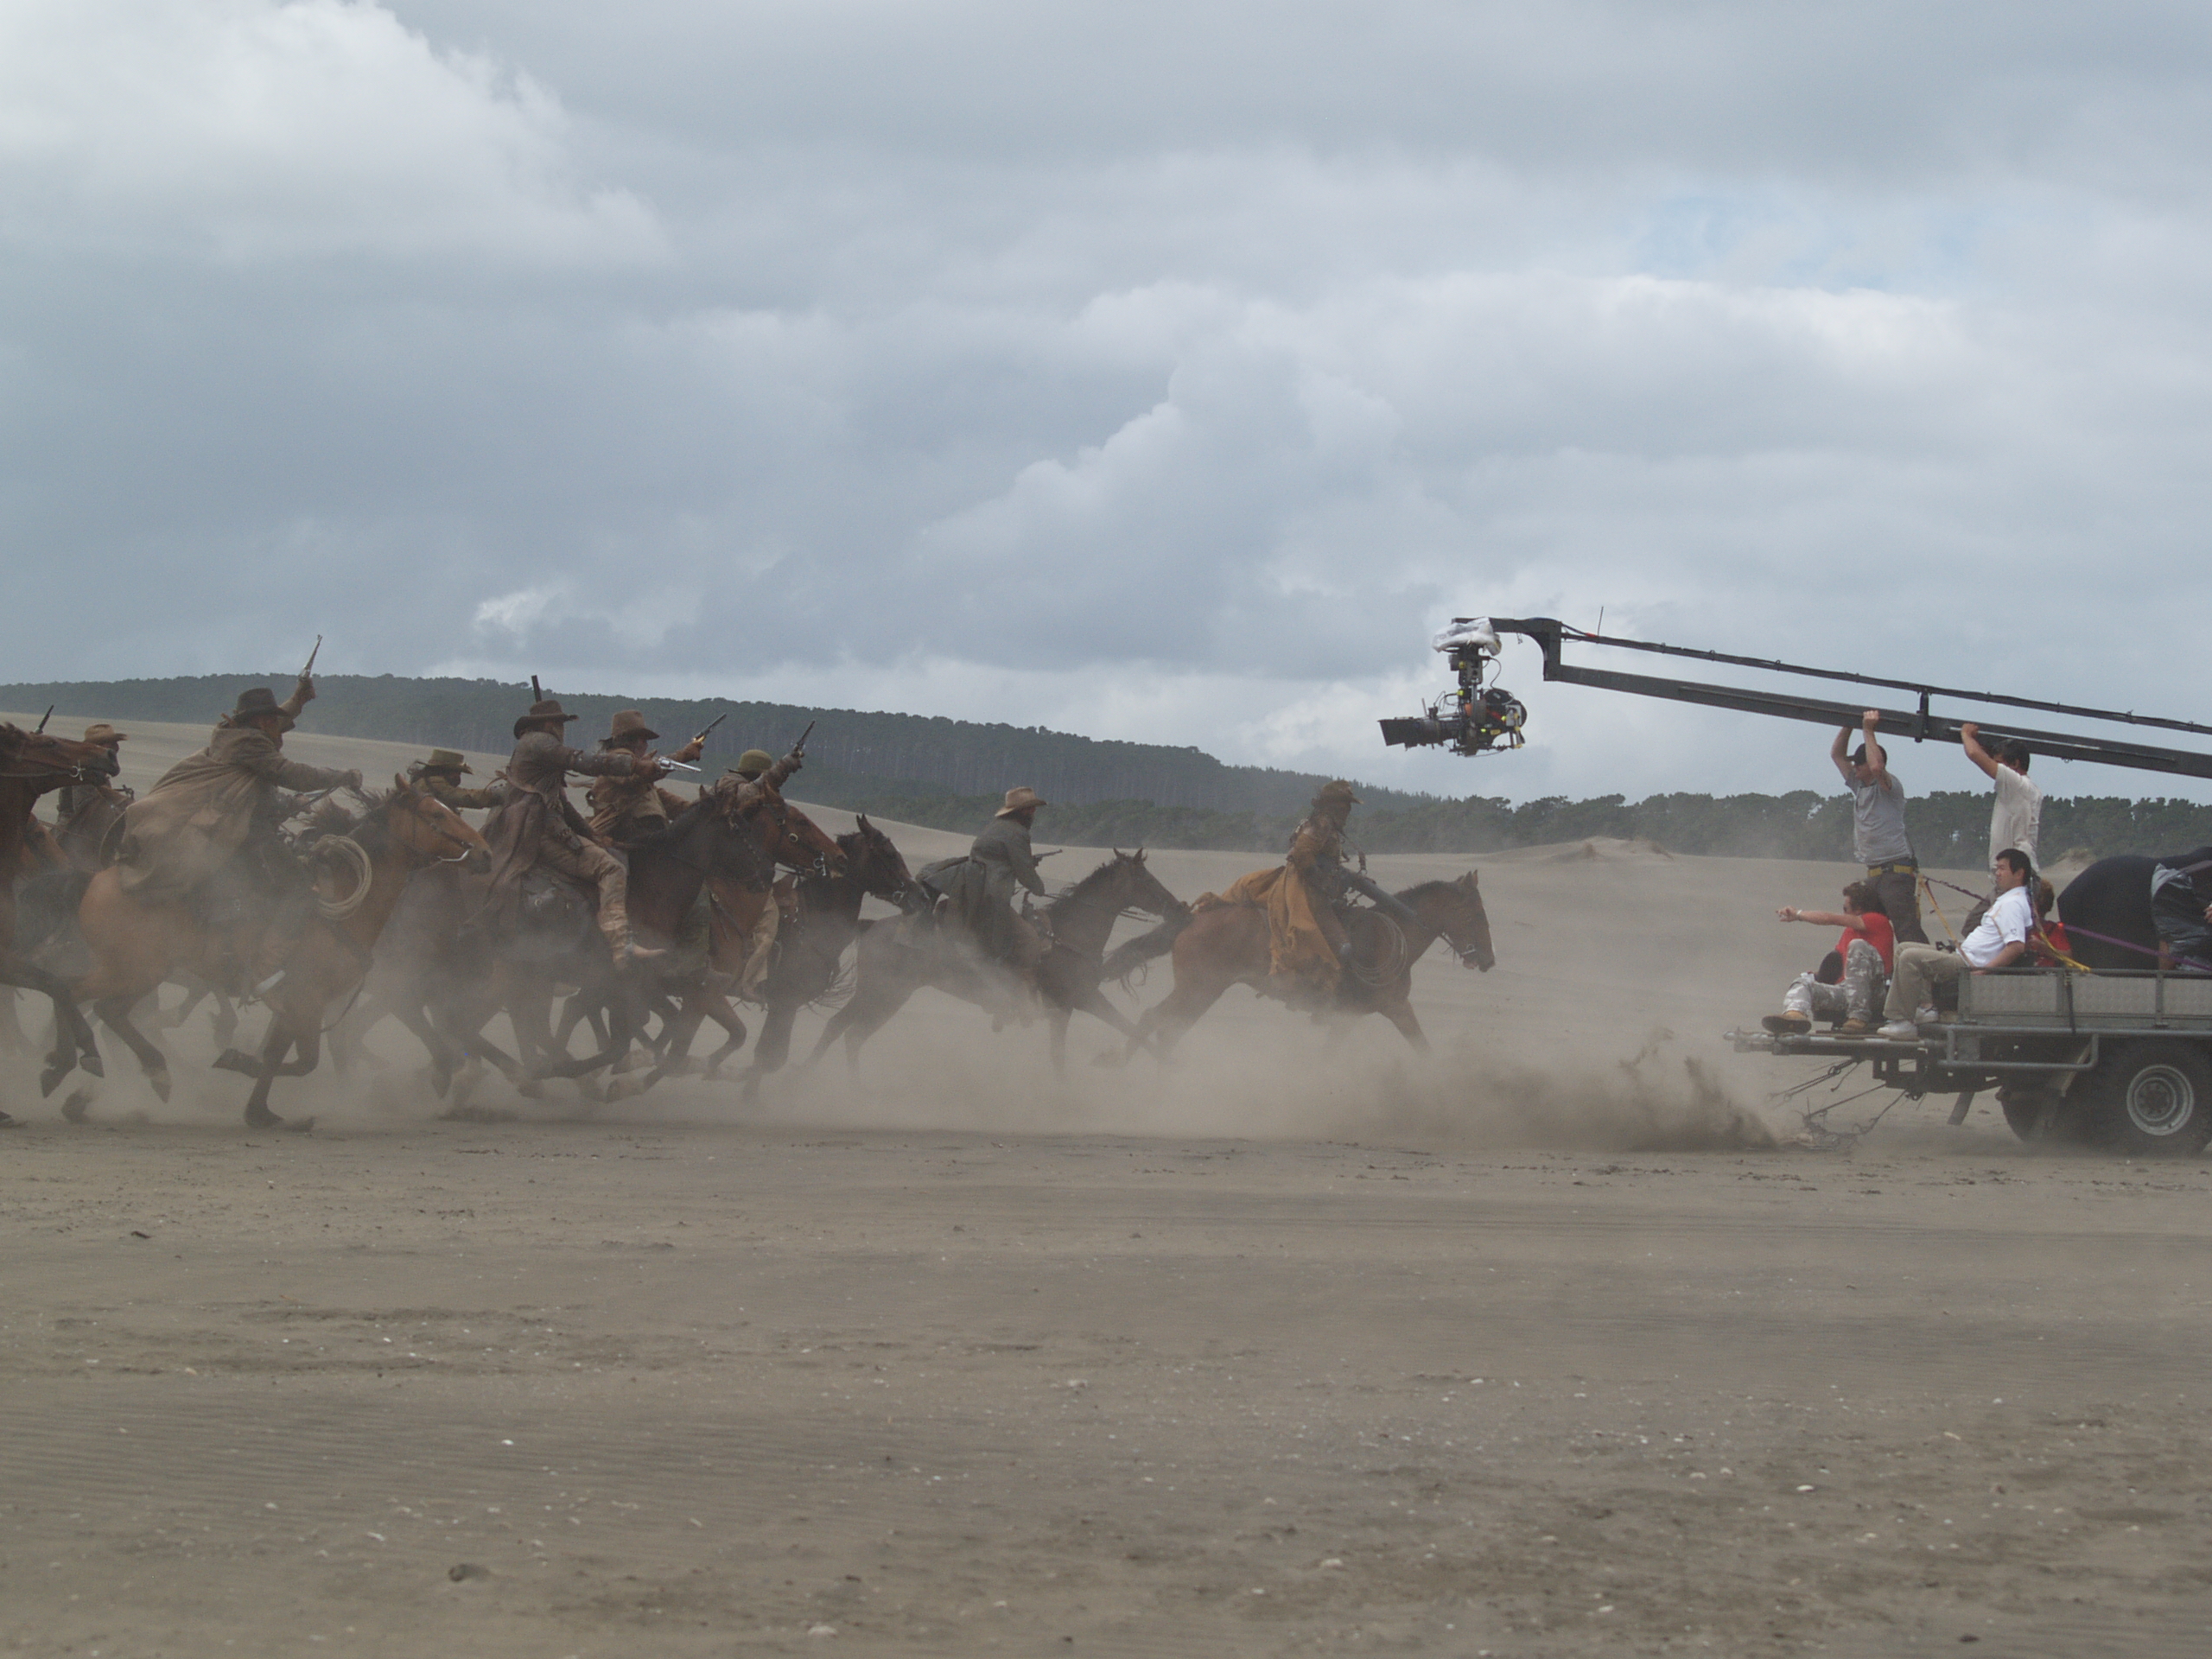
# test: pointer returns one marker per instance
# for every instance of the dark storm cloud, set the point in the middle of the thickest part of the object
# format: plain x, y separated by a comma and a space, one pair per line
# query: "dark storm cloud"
1155, 372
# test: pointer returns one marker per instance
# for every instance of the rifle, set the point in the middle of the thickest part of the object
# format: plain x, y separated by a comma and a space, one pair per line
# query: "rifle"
537, 691
48, 715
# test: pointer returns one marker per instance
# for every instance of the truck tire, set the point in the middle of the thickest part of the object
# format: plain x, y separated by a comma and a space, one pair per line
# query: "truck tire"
2155, 1098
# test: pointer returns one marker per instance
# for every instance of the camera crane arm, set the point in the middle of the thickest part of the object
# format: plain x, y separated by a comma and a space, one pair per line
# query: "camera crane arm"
1472, 641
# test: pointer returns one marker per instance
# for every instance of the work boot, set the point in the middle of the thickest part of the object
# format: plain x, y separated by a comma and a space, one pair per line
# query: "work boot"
1788, 1023
1855, 1027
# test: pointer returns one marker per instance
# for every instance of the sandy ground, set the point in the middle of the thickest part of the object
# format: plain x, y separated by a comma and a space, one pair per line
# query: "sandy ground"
1546, 1345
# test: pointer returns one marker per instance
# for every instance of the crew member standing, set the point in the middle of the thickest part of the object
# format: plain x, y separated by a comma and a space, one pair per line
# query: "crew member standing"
1877, 831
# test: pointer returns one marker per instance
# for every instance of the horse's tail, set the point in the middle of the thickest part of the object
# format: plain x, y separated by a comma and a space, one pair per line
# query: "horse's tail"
1124, 961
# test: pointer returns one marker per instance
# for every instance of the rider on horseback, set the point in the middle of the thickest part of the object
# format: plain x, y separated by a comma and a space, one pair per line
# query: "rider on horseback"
440, 777
757, 789
208, 830
980, 886
536, 826
1308, 947
627, 810
83, 813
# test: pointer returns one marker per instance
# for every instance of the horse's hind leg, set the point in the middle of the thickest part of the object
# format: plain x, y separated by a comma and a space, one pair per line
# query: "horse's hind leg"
115, 1014
73, 1034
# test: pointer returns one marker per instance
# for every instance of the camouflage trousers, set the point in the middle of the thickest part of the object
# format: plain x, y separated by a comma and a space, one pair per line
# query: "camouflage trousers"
1856, 998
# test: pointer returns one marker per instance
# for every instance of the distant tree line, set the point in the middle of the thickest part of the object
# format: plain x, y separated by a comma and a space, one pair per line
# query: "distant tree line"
949, 774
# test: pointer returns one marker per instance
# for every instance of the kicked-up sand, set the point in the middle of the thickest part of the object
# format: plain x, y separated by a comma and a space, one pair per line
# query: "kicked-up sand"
1552, 1343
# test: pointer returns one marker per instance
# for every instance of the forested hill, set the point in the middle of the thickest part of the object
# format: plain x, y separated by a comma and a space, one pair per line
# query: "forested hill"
949, 773
907, 753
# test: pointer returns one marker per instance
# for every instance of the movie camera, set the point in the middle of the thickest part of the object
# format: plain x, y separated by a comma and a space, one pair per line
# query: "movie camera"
1475, 718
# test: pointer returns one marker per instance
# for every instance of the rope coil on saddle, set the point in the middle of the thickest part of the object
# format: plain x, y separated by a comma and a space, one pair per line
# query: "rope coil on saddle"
1389, 961
344, 850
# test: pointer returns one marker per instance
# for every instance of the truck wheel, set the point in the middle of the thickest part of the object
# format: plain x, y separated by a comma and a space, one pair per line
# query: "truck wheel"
2155, 1097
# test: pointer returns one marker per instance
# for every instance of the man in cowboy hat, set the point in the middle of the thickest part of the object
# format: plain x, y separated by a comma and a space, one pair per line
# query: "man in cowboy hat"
535, 825
207, 830
627, 811
981, 886
753, 785
85, 812
1307, 944
441, 776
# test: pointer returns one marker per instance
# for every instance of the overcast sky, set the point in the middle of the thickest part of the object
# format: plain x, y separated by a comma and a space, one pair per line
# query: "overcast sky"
1164, 371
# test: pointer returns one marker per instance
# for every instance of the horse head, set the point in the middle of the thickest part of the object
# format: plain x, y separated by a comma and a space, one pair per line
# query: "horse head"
875, 863
50, 761
425, 829
1455, 910
1139, 889
805, 846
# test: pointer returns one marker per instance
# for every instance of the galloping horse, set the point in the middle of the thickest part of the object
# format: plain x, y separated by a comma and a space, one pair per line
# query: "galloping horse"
810, 952
898, 959
32, 763
135, 946
463, 975
1227, 945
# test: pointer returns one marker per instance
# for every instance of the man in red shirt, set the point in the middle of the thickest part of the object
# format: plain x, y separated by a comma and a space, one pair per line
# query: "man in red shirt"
1868, 948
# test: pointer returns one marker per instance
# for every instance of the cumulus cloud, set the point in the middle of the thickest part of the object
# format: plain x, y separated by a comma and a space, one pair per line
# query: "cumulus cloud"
1158, 372
246, 130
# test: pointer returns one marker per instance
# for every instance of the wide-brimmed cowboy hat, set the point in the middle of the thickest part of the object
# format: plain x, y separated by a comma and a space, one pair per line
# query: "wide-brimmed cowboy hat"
100, 732
544, 709
628, 723
258, 702
753, 763
442, 760
1018, 798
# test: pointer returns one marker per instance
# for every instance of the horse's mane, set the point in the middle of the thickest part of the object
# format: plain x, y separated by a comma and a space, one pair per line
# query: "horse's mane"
1423, 890
1082, 888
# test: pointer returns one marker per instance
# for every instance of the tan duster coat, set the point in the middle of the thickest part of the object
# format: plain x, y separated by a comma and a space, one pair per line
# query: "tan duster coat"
192, 821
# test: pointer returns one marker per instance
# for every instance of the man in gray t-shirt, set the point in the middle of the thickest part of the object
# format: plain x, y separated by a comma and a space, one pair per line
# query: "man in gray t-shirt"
1878, 833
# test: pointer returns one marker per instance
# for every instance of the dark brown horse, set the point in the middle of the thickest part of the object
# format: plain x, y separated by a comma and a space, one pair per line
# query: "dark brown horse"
1227, 945
135, 945
901, 958
31, 764
810, 951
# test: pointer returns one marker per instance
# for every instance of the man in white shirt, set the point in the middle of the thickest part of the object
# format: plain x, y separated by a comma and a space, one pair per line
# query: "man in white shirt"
2016, 814
1998, 941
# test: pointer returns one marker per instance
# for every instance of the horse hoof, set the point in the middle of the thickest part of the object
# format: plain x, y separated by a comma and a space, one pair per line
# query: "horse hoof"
73, 1109
89, 1062
626, 1088
50, 1079
8, 1123
159, 1083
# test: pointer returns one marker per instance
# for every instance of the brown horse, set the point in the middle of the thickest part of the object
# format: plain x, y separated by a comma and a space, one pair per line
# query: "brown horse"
32, 763
1227, 945
135, 946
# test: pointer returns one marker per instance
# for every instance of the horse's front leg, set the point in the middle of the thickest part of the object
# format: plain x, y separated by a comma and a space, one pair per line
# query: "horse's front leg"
280, 1041
1400, 1014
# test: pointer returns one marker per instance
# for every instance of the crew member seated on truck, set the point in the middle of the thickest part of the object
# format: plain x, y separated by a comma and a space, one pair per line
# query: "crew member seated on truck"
1863, 956
2001, 941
